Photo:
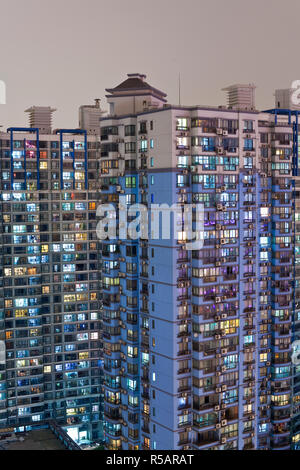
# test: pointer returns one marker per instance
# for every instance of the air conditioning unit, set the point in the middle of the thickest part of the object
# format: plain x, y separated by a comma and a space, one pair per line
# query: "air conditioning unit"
218, 426
220, 151
218, 390
225, 133
218, 300
223, 440
219, 131
224, 422
224, 316
217, 408
223, 351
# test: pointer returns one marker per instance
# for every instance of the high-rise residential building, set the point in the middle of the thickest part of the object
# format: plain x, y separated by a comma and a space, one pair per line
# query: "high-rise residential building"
50, 331
197, 343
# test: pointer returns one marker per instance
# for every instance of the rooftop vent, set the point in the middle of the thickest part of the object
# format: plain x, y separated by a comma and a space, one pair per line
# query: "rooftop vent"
241, 96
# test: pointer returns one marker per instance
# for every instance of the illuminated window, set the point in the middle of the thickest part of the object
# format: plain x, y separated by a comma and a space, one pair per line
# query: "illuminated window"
264, 212
79, 176
263, 357
34, 332
21, 313
70, 298
84, 355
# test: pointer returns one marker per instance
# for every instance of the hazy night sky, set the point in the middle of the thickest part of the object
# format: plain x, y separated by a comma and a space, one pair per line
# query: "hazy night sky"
64, 53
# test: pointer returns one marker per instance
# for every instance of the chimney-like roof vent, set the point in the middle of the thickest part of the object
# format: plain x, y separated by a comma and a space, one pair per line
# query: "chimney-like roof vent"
241, 96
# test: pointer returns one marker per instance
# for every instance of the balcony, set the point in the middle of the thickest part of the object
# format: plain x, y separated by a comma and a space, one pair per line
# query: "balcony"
205, 407
185, 352
249, 446
185, 388
112, 417
146, 395
183, 297
280, 444
184, 442
184, 371
183, 334
209, 441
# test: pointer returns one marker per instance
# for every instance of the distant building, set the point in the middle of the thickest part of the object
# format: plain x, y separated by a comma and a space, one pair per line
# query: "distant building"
41, 117
241, 96
284, 99
89, 117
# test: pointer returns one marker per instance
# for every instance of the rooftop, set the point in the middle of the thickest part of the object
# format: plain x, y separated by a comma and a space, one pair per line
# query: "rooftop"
42, 439
135, 82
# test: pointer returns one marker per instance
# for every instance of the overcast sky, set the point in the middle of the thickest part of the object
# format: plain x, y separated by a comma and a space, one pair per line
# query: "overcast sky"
64, 53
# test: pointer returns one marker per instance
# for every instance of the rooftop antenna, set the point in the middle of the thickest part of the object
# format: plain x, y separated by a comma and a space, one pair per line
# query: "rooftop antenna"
179, 89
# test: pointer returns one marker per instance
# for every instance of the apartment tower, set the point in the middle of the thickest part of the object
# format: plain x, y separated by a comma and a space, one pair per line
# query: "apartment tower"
50, 330
197, 343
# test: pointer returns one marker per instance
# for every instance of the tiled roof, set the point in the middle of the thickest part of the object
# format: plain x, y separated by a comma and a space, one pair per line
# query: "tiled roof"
135, 83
